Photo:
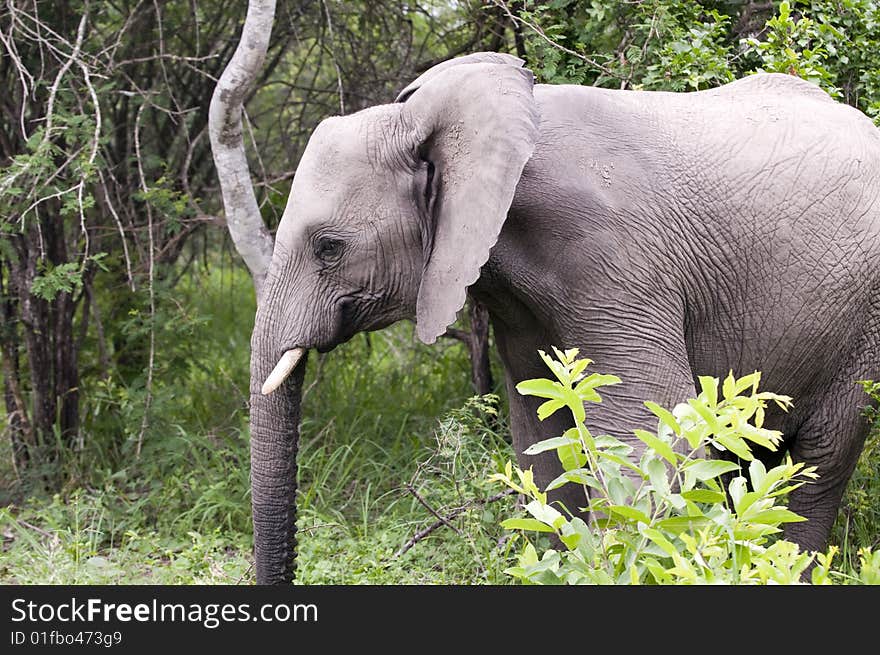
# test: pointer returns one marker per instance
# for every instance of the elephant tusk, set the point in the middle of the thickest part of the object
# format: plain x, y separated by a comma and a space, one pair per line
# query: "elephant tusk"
282, 369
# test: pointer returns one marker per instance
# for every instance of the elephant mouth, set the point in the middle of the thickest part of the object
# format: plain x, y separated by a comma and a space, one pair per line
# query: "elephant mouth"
345, 323
345, 326
287, 363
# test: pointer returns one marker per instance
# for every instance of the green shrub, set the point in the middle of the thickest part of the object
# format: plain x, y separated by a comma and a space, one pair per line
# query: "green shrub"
666, 517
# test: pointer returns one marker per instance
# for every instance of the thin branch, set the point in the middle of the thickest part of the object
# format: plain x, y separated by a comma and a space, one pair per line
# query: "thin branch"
23, 73
115, 215
148, 399
537, 30
424, 503
165, 55
25, 524
53, 92
458, 335
339, 88
96, 138
421, 534
39, 201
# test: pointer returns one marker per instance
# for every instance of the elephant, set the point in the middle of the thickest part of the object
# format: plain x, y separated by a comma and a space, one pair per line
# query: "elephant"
666, 235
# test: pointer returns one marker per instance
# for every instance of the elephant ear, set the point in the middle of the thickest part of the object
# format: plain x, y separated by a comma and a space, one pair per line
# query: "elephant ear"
477, 124
473, 58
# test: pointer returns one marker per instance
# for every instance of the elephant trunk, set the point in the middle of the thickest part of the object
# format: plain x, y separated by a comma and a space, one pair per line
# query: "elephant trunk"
274, 427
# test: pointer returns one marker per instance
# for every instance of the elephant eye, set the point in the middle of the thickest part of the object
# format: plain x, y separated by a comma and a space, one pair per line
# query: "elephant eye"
327, 249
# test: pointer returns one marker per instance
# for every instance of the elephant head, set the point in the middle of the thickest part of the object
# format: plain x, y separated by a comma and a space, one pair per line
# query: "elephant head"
391, 214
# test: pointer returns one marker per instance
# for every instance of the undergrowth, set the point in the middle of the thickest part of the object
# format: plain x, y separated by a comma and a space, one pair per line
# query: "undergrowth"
389, 443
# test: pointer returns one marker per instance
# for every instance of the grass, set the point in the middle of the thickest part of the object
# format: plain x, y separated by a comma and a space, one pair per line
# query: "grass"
181, 513
387, 429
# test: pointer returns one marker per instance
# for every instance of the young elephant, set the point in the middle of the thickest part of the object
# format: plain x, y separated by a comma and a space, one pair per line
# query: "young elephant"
667, 235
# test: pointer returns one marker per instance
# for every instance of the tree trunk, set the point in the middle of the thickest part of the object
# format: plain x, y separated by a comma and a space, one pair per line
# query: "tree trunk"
20, 432
478, 348
35, 322
252, 240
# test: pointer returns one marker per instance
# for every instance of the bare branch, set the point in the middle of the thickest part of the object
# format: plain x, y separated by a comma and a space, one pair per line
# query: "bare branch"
96, 139
115, 215
339, 88
537, 30
421, 534
148, 399
23, 73
424, 503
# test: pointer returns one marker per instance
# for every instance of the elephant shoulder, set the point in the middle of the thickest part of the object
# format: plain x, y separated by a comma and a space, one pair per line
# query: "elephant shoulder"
776, 84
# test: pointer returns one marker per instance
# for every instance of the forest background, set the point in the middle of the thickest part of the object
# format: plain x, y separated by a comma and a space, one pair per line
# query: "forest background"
126, 310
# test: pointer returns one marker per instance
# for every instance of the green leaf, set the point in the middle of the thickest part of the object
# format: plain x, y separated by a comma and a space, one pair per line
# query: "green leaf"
679, 524
545, 514
737, 490
525, 524
617, 492
704, 496
578, 367
575, 404
728, 388
629, 513
547, 408
776, 516
540, 387
551, 444
570, 538
747, 381
660, 447
705, 469
705, 413
529, 556
576, 476
735, 445
571, 457
757, 473
585, 387
604, 454
744, 502
665, 416
657, 537
709, 385
558, 368
658, 475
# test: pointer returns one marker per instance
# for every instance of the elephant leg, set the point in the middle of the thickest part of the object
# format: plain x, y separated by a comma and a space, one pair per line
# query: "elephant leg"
831, 439
519, 353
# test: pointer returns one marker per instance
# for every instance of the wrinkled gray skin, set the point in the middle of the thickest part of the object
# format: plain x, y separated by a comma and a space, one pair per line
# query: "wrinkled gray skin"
665, 235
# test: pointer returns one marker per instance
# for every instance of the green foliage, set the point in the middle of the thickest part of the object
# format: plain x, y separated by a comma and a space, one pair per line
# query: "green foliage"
686, 46
99, 537
359, 461
695, 55
856, 526
64, 278
180, 513
57, 279
170, 203
666, 515
798, 47
668, 45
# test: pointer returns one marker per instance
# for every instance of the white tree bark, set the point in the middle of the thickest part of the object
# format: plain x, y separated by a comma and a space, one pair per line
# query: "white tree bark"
252, 240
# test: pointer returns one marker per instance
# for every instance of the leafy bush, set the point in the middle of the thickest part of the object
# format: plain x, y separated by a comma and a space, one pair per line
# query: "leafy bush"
859, 515
666, 517
672, 45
